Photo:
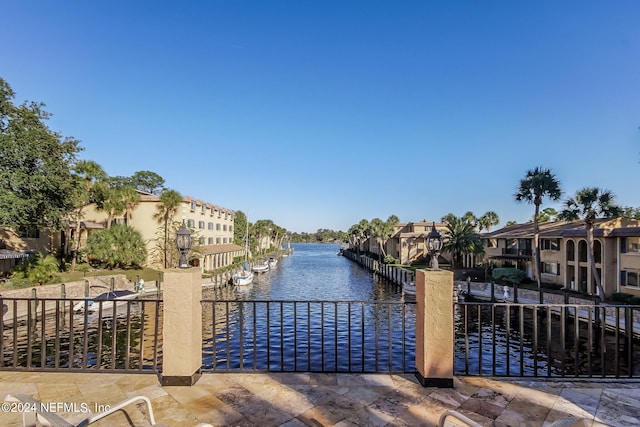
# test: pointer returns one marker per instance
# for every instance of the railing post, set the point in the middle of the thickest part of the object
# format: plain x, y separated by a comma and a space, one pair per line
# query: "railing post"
493, 291
86, 288
34, 303
434, 328
63, 295
182, 327
113, 284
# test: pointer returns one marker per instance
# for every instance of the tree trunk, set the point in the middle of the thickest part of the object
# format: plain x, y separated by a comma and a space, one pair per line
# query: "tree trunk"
166, 240
536, 249
76, 243
592, 260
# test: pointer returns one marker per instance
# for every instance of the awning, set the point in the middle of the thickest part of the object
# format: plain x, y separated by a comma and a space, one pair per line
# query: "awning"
8, 254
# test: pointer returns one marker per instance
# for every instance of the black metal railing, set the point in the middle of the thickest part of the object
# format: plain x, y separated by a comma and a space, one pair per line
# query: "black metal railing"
49, 334
559, 340
308, 336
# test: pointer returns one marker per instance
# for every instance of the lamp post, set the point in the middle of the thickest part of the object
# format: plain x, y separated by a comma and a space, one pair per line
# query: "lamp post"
433, 242
183, 243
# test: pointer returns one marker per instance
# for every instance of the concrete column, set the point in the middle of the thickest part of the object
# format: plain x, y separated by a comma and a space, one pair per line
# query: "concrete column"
182, 327
434, 328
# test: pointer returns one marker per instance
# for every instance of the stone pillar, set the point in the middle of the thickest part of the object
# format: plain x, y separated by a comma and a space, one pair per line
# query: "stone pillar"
182, 327
434, 328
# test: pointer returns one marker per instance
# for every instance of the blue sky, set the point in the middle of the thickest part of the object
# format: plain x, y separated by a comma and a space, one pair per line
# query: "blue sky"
317, 114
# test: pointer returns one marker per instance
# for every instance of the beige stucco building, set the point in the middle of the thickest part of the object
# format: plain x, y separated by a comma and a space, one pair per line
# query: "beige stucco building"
563, 253
407, 244
211, 225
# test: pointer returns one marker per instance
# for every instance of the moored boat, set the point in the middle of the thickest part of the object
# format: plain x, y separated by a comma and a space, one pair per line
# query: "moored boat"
105, 300
243, 278
409, 288
261, 266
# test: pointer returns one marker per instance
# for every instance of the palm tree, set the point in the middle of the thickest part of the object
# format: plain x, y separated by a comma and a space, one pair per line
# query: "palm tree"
89, 172
471, 218
488, 220
358, 231
170, 201
535, 186
460, 239
548, 215
118, 197
588, 204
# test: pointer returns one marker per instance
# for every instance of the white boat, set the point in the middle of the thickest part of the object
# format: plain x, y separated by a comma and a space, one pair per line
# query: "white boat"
106, 301
243, 278
260, 266
272, 262
409, 288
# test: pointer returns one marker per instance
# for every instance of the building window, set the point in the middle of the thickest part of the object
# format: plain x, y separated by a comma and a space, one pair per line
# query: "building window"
231, 228
632, 244
204, 208
224, 240
201, 225
193, 206
191, 223
29, 232
218, 227
550, 244
217, 240
630, 278
551, 268
201, 240
210, 241
571, 251
224, 227
582, 251
492, 243
210, 226
597, 251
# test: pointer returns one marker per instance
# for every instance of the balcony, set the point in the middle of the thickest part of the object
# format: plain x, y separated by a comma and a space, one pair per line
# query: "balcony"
517, 252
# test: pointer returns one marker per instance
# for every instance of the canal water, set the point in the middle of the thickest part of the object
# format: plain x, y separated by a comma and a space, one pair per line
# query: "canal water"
315, 311
313, 272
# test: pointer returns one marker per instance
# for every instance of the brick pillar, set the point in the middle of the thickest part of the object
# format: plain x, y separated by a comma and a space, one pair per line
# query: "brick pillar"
181, 327
434, 328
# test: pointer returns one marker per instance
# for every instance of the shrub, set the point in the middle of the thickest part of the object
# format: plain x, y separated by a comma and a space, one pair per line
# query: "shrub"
391, 260
511, 276
621, 297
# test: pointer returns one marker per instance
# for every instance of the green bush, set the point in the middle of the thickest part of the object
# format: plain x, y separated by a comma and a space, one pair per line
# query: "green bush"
621, 297
511, 276
391, 260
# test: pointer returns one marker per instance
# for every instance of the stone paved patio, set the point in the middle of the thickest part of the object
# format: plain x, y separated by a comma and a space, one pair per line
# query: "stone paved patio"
294, 399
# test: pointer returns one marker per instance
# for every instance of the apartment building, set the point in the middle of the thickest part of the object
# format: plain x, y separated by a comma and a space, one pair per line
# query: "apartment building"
211, 226
212, 230
564, 257
407, 243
